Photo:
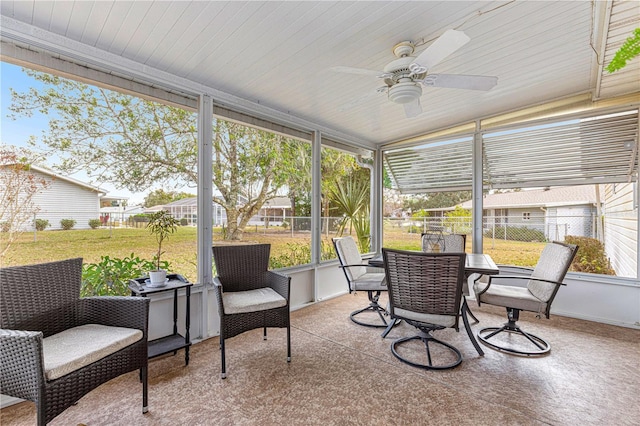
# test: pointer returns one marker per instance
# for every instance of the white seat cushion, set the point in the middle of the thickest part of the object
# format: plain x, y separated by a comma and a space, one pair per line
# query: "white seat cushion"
239, 302
510, 297
78, 347
443, 320
373, 281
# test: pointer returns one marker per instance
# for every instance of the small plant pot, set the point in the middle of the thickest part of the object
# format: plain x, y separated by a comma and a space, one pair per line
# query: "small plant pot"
157, 278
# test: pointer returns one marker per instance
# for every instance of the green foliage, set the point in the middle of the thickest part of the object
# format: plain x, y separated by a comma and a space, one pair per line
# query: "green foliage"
110, 276
159, 197
42, 224
94, 223
352, 198
161, 225
516, 234
300, 254
67, 224
420, 214
436, 200
591, 256
629, 50
184, 221
140, 217
458, 220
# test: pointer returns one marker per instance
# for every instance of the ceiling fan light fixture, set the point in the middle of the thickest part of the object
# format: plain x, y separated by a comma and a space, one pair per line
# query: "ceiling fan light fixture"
402, 93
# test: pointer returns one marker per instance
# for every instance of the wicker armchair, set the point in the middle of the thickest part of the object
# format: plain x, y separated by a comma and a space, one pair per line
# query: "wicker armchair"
42, 316
537, 296
425, 290
249, 295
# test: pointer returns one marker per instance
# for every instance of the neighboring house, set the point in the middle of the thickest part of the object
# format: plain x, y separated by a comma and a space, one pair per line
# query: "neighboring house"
66, 198
556, 212
273, 212
621, 227
112, 209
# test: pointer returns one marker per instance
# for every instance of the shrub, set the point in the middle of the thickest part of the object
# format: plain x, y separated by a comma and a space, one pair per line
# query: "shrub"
513, 233
67, 224
41, 224
94, 223
110, 276
184, 221
141, 217
591, 256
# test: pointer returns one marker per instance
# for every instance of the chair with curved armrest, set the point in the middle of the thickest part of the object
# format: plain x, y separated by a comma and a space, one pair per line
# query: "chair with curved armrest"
361, 277
249, 295
537, 296
425, 290
55, 347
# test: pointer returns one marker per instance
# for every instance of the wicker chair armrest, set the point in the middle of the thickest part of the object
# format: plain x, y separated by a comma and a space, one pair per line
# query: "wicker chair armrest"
116, 311
217, 284
279, 282
21, 363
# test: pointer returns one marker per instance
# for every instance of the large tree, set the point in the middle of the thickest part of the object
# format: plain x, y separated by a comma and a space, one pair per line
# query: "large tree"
137, 144
160, 196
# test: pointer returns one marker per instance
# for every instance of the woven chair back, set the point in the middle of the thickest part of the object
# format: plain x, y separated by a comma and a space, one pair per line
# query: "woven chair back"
424, 283
40, 297
242, 267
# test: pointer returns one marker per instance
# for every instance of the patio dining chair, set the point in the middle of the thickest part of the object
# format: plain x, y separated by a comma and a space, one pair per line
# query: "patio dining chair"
361, 277
249, 295
449, 243
55, 347
537, 296
425, 290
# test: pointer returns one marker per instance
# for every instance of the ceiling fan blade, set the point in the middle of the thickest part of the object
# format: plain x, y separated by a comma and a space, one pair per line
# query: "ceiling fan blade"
461, 81
413, 109
358, 71
444, 46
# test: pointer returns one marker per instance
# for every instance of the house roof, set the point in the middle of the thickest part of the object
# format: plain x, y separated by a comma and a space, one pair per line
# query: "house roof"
552, 197
314, 65
55, 175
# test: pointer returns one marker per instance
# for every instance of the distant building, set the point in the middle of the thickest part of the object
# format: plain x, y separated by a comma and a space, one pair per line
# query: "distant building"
65, 198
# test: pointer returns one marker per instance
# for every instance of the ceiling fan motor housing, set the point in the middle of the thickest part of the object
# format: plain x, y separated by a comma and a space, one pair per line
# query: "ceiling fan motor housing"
405, 92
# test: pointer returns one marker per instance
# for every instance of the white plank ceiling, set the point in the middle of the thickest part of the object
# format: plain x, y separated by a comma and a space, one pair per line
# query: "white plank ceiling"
278, 54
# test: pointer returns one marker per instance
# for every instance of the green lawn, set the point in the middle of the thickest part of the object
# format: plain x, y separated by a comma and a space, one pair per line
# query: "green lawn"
180, 248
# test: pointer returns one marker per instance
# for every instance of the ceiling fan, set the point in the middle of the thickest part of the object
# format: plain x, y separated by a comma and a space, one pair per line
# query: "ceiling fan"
405, 76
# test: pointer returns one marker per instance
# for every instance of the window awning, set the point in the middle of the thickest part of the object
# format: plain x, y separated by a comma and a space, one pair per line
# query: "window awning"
585, 150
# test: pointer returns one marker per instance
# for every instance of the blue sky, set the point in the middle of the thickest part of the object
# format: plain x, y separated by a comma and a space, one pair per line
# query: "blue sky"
17, 132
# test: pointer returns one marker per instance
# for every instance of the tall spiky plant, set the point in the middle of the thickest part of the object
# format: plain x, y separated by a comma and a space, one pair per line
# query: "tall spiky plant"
351, 196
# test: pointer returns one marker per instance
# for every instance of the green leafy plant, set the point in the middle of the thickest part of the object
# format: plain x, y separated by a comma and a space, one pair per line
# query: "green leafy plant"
184, 221
94, 223
629, 50
161, 225
591, 256
41, 224
67, 224
110, 276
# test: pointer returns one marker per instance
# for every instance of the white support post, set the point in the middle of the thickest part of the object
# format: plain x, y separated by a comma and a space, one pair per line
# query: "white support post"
316, 206
477, 191
377, 201
205, 203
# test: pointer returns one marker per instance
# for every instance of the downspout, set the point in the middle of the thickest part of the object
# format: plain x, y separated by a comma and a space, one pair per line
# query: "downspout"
599, 223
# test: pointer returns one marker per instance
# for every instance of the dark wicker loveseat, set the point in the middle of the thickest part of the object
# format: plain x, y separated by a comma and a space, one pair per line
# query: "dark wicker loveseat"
40, 301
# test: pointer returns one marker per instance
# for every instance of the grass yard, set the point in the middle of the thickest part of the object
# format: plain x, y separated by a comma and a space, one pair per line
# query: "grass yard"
180, 248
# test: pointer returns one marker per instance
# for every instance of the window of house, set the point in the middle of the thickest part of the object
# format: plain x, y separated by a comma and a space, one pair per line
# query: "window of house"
526, 216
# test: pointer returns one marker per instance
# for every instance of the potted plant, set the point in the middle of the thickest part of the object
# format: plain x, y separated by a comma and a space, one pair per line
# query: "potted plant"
161, 224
